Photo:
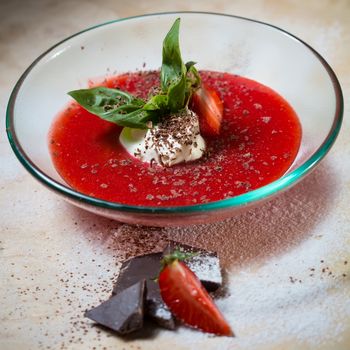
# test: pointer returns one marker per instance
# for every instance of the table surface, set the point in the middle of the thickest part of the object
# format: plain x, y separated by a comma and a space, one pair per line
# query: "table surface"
288, 280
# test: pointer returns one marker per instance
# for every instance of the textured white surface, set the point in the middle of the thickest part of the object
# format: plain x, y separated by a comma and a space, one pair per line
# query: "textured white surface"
56, 260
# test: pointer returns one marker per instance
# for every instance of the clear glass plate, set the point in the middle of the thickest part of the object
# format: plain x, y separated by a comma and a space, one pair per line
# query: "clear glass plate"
217, 42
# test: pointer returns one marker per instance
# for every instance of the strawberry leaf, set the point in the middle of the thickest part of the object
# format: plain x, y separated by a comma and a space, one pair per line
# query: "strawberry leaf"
177, 255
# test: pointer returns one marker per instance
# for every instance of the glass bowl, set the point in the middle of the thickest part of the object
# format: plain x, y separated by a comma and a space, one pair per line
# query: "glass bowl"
217, 42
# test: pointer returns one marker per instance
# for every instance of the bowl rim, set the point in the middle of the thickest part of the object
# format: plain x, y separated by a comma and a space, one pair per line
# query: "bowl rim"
257, 195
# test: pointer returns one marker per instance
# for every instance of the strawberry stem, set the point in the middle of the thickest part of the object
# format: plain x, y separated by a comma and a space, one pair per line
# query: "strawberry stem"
177, 255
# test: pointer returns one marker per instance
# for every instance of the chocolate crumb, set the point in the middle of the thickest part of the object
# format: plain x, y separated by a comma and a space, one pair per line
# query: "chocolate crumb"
147, 267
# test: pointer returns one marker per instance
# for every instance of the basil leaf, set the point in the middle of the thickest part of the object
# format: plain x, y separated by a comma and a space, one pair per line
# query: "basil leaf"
157, 103
178, 82
137, 119
193, 81
113, 105
102, 101
173, 71
193, 77
189, 65
177, 94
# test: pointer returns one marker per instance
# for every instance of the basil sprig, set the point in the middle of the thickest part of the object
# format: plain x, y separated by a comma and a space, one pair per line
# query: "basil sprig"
178, 82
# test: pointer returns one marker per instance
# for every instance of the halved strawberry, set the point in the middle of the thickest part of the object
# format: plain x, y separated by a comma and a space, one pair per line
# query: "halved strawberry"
188, 300
206, 103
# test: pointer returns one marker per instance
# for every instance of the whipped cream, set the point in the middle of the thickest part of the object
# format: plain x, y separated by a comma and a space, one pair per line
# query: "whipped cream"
174, 140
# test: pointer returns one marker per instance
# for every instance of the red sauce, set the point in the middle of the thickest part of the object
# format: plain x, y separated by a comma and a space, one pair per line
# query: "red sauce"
259, 140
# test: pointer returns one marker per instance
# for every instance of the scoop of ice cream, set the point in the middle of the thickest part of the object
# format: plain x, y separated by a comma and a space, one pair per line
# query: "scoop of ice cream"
174, 140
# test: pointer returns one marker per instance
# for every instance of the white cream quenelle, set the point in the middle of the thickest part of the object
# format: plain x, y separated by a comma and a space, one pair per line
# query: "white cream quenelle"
174, 140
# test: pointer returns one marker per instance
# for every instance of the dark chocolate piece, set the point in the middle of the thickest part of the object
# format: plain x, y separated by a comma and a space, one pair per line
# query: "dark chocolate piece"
123, 312
205, 265
156, 308
147, 267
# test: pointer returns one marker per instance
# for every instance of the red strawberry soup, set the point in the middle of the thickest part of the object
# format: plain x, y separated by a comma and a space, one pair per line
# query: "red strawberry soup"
259, 140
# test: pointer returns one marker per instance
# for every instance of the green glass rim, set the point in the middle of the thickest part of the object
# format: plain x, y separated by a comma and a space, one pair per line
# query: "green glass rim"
256, 195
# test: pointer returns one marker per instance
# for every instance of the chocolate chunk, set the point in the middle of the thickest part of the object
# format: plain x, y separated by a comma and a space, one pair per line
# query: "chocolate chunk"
123, 312
156, 308
135, 269
205, 265
147, 267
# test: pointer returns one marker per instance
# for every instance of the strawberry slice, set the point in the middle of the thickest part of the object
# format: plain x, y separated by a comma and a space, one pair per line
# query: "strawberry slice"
188, 300
206, 103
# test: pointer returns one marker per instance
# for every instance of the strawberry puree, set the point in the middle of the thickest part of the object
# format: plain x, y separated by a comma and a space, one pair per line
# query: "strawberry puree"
259, 139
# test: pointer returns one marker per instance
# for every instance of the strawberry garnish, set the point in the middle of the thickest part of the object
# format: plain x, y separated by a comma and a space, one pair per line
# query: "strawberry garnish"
187, 299
208, 106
